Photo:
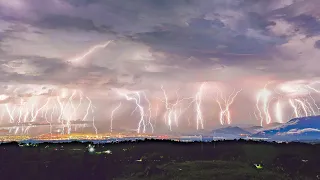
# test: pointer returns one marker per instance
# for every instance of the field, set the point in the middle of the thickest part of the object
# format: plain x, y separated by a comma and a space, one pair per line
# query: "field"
155, 159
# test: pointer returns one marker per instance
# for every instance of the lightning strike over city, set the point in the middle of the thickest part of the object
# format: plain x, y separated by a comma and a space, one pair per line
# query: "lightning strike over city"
54, 111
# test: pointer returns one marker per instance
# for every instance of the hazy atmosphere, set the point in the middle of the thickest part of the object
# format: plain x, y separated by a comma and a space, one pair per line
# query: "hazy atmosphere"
156, 66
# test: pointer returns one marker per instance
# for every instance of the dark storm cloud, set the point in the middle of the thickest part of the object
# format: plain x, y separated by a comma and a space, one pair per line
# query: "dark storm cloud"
50, 70
201, 38
317, 44
171, 12
67, 22
143, 4
79, 3
308, 24
231, 31
182, 28
205, 39
124, 16
257, 21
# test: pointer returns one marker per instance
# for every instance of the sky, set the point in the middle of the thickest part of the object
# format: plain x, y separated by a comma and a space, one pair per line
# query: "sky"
121, 65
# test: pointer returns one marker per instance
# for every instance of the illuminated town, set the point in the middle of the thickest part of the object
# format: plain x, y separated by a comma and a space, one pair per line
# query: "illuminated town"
109, 137
82, 136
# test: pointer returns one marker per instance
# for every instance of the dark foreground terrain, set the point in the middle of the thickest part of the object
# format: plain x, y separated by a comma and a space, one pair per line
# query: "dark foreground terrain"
155, 159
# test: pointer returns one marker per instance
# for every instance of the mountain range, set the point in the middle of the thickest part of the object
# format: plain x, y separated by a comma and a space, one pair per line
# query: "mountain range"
297, 129
230, 132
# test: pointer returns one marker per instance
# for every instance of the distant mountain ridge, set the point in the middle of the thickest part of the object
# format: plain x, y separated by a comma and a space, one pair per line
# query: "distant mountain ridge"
295, 129
231, 130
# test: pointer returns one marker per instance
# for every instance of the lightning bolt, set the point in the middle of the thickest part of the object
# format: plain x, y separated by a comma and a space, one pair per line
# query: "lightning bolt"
198, 98
278, 110
264, 94
295, 109
93, 49
137, 100
225, 112
112, 114
172, 114
150, 112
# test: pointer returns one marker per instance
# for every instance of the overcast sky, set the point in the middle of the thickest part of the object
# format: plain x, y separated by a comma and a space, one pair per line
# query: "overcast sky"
232, 45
